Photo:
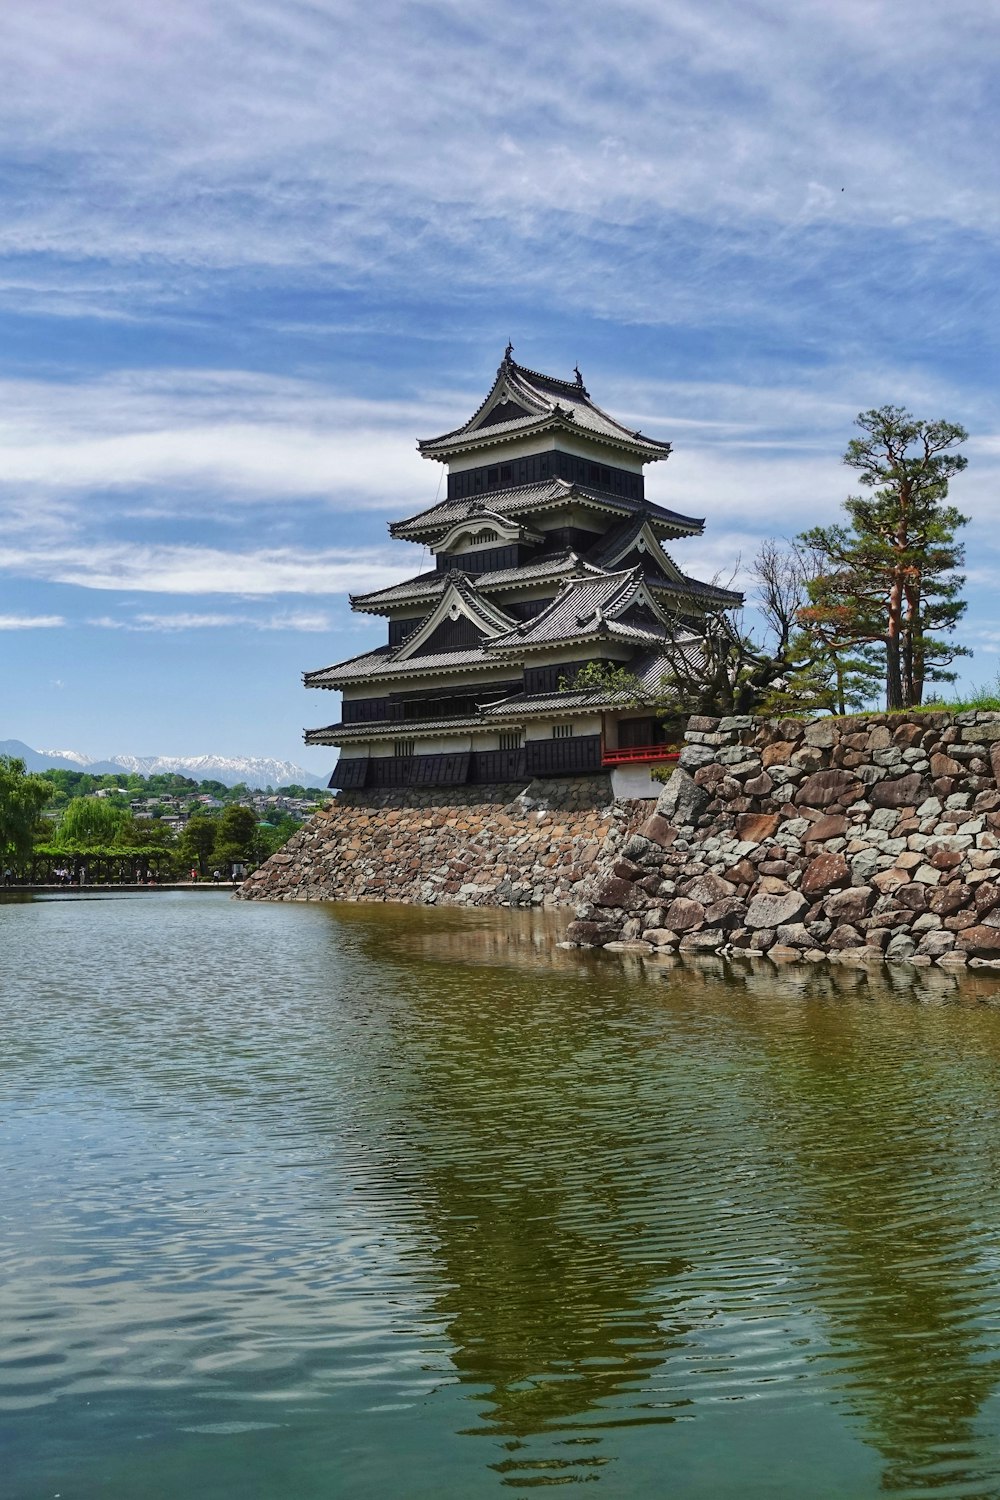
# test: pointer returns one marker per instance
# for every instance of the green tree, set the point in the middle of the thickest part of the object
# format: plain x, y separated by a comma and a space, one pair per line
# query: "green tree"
198, 840
143, 833
89, 822
235, 839
237, 825
22, 798
889, 578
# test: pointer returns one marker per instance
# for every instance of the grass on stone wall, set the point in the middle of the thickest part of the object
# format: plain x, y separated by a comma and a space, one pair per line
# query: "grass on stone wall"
986, 698
982, 697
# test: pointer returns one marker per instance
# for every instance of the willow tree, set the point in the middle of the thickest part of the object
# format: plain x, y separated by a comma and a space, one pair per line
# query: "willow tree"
22, 798
889, 577
90, 821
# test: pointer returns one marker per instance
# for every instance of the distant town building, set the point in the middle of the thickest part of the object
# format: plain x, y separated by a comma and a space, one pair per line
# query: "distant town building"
547, 556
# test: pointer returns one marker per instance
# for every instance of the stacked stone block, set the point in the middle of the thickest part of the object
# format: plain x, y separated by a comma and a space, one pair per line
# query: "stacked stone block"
867, 838
492, 846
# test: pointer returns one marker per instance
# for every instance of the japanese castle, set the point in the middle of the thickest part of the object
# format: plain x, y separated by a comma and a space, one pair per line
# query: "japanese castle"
546, 556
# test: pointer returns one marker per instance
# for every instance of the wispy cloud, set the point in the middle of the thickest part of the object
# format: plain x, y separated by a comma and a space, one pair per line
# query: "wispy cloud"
31, 622
205, 570
294, 620
489, 143
231, 434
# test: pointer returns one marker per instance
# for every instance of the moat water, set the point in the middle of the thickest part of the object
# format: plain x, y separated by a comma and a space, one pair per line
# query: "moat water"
317, 1201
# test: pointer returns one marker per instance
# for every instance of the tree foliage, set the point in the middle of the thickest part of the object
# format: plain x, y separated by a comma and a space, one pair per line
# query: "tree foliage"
235, 837
886, 583
22, 798
198, 841
721, 664
90, 821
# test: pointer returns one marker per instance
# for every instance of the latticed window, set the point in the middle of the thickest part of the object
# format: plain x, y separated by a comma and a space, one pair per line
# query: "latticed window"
562, 731
511, 740
403, 747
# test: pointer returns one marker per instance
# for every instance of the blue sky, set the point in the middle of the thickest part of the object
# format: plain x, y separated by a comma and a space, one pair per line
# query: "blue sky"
250, 251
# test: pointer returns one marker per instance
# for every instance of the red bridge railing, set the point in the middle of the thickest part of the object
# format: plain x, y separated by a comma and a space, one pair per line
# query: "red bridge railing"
638, 754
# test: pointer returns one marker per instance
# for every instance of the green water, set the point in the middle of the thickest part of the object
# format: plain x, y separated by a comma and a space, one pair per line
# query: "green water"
303, 1201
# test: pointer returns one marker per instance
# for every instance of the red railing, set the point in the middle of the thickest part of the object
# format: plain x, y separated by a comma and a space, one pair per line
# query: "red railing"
639, 754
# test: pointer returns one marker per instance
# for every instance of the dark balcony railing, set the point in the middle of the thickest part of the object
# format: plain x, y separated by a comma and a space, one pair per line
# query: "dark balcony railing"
579, 753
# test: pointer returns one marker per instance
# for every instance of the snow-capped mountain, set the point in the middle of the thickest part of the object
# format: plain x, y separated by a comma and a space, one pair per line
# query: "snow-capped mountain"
253, 770
73, 755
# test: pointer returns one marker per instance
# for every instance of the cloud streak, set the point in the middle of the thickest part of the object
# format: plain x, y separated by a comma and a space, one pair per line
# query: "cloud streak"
681, 146
241, 436
31, 622
145, 624
185, 569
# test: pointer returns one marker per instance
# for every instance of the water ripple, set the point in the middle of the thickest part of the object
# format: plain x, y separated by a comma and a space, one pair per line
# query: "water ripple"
361, 1202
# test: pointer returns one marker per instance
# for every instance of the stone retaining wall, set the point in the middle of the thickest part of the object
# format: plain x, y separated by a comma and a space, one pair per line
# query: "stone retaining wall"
862, 838
489, 846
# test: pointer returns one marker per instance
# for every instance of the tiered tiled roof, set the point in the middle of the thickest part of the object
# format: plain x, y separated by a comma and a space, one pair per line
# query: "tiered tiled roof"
384, 663
585, 611
590, 609
647, 670
427, 586
545, 495
524, 402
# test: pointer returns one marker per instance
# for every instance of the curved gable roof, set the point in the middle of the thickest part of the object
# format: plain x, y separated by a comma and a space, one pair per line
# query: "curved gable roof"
523, 401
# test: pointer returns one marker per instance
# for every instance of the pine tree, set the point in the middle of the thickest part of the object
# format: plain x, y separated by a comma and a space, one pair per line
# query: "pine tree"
889, 577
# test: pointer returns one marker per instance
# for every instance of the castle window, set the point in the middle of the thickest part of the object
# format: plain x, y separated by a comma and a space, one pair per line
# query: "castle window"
511, 740
562, 731
403, 747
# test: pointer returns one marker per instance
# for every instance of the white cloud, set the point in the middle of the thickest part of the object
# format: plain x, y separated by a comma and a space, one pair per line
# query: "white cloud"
235, 435
321, 133
31, 622
206, 570
293, 620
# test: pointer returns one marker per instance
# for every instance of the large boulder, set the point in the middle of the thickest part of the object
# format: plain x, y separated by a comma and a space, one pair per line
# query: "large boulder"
830, 826
777, 754
824, 787
708, 888
846, 936
982, 942
682, 802
594, 933
683, 915
900, 791
851, 905
616, 892
659, 831
692, 757
823, 873
729, 912
773, 911
752, 828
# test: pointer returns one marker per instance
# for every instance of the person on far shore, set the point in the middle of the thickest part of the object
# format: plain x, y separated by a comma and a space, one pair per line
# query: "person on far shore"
216, 876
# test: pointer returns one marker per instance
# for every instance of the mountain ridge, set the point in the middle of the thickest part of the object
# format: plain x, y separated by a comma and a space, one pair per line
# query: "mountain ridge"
253, 770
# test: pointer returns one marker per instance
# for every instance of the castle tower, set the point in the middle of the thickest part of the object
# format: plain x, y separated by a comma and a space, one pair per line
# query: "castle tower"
548, 556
